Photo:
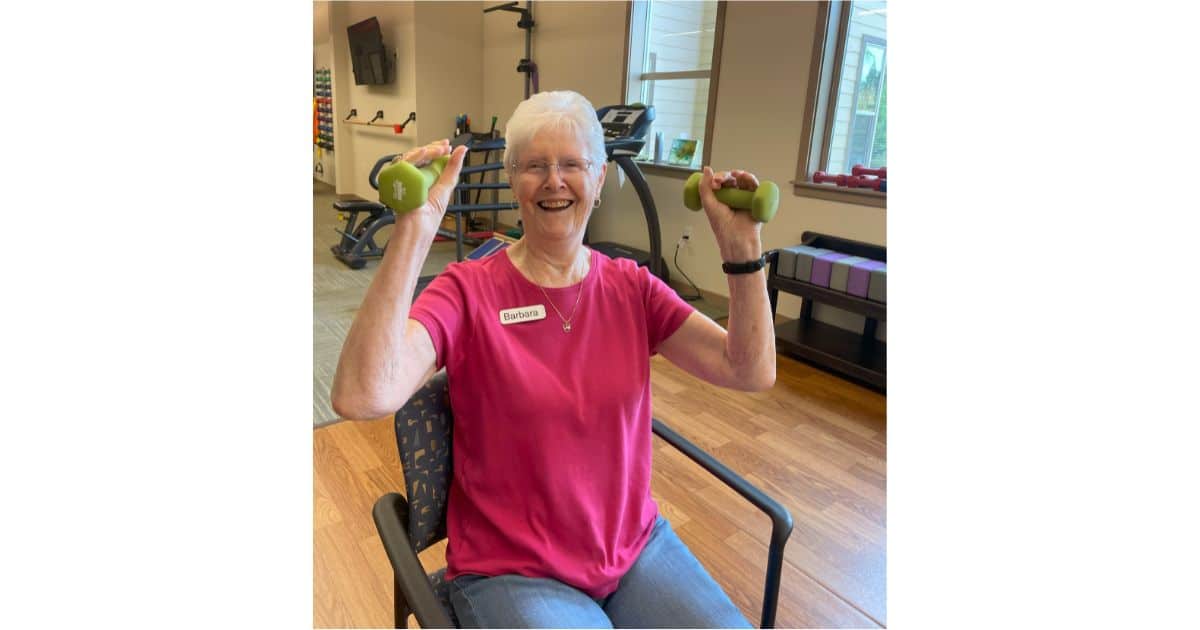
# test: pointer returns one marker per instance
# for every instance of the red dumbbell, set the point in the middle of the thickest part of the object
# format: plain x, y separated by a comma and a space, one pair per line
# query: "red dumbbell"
852, 181
859, 169
821, 177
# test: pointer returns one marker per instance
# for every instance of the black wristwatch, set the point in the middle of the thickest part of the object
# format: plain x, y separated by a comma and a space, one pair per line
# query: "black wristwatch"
744, 267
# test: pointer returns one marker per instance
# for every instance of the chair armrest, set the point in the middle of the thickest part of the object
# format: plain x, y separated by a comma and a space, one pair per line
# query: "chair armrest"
781, 519
391, 513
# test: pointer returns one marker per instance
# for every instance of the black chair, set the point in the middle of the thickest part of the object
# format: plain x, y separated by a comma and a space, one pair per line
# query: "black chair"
424, 428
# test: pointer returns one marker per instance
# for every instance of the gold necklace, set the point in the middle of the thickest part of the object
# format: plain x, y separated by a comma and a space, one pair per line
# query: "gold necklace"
566, 321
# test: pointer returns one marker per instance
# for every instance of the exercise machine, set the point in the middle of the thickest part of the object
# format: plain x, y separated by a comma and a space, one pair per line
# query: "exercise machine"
625, 131
358, 242
365, 219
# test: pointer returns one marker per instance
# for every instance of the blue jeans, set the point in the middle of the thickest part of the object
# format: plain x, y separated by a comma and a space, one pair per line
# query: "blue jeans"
665, 588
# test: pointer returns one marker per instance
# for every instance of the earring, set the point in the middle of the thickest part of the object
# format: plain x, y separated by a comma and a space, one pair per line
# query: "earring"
596, 204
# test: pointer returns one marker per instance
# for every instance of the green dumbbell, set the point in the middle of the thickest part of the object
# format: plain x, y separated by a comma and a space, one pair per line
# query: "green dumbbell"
761, 203
403, 186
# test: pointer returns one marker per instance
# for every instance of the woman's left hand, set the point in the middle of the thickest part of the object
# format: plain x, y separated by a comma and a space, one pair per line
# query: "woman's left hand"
738, 234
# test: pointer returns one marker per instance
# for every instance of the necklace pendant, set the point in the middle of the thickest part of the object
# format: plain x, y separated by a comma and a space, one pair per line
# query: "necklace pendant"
566, 327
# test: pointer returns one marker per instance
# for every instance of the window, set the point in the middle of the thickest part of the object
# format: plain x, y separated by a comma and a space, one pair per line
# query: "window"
846, 119
673, 53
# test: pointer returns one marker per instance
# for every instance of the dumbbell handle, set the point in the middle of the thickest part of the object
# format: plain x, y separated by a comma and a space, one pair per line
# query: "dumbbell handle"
735, 197
821, 177
859, 169
761, 204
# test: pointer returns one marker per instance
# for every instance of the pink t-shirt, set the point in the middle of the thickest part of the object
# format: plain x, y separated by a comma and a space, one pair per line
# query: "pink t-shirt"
552, 436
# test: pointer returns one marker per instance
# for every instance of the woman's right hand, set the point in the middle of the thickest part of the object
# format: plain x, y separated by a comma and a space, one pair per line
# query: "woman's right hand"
428, 217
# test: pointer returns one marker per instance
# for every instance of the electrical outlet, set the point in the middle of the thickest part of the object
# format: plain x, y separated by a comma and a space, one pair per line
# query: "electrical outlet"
685, 238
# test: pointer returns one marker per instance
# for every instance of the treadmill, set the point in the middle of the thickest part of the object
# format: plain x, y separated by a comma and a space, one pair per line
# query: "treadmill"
625, 131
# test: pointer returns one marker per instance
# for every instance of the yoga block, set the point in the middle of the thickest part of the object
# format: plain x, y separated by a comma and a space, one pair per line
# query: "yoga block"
787, 262
860, 277
840, 274
804, 261
877, 291
822, 267
796, 261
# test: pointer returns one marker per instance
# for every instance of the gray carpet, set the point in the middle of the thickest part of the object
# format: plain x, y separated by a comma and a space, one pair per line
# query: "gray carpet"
337, 292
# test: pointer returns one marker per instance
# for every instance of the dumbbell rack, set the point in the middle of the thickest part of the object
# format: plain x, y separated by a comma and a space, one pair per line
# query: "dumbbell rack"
323, 96
859, 356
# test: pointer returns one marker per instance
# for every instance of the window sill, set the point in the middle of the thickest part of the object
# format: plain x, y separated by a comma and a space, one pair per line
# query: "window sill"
668, 170
862, 197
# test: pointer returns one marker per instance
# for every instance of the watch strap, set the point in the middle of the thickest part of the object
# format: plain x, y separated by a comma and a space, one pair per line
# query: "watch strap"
744, 267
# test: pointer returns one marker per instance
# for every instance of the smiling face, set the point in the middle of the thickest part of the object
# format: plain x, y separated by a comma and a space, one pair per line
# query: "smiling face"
555, 185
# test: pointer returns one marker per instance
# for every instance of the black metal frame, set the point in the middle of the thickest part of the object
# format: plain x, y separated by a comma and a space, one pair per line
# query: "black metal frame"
526, 23
414, 593
624, 159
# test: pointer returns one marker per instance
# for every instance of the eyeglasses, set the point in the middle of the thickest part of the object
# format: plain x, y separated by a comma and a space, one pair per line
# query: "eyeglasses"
540, 169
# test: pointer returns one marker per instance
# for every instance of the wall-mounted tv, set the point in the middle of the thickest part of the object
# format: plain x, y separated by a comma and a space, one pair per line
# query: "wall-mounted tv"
367, 53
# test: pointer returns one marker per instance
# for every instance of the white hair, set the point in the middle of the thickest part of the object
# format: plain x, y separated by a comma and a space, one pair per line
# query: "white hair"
554, 110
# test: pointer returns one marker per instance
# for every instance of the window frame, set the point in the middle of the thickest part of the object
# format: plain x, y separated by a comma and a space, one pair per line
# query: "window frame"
829, 43
713, 75
868, 40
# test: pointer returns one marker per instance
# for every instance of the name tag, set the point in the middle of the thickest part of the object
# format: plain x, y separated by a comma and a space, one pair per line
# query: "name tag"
522, 314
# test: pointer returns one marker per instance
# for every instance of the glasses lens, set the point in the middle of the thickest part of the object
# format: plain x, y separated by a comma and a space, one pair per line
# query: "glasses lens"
541, 168
535, 168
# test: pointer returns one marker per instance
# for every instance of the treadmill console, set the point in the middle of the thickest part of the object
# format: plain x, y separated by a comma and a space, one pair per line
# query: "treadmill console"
625, 121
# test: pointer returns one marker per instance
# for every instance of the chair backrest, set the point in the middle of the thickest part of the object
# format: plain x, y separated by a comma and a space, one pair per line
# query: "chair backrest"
424, 426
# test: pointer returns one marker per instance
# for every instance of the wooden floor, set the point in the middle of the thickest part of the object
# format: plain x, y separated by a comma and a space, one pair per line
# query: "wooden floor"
814, 442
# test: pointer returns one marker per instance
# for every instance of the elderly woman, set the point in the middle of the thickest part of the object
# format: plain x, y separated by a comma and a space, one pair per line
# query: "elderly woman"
547, 347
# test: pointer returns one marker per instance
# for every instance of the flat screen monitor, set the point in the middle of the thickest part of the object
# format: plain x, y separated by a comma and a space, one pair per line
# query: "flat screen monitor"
368, 54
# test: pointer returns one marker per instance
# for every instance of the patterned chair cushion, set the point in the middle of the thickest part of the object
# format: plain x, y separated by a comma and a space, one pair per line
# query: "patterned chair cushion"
423, 434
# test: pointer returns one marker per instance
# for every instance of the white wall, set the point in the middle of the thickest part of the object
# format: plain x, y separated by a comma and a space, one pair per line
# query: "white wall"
449, 37
358, 147
577, 46
436, 75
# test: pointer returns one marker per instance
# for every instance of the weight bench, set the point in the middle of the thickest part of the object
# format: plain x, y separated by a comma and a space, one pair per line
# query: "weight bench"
358, 239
